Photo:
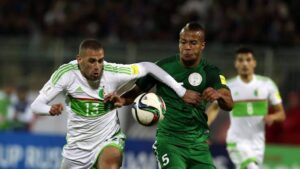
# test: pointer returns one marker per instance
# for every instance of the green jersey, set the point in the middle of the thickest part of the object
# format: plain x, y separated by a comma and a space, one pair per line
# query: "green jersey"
184, 124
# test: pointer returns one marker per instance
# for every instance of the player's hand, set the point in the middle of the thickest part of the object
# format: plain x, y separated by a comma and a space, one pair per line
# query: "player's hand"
115, 98
56, 109
192, 97
269, 120
211, 94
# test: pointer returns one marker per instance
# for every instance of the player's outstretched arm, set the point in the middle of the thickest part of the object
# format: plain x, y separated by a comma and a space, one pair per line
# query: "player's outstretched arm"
159, 74
223, 96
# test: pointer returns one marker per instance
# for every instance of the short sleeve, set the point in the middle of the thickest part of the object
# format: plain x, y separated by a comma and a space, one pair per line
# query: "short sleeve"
215, 79
274, 94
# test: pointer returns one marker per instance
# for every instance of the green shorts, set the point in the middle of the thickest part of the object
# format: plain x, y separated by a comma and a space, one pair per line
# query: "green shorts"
171, 156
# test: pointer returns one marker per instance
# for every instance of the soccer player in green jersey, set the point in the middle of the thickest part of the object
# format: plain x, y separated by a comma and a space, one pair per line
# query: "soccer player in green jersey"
181, 138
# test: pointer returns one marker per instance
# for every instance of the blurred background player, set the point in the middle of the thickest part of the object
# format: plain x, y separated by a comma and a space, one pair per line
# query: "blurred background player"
7, 98
94, 137
251, 94
22, 114
181, 137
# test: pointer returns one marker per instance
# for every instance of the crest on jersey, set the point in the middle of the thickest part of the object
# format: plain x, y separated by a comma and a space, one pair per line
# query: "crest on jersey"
195, 79
101, 92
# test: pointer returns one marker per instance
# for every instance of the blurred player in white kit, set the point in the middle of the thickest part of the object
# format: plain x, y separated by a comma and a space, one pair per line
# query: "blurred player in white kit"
252, 95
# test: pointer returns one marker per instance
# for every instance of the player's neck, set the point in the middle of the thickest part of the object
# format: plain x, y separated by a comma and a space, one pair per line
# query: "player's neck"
247, 78
192, 63
94, 83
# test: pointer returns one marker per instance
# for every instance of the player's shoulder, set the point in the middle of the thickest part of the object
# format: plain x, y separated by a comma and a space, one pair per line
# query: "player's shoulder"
167, 60
208, 67
262, 78
232, 79
110, 67
64, 69
265, 80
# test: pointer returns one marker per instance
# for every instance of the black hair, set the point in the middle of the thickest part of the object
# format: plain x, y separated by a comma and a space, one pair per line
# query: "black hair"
193, 26
90, 44
244, 49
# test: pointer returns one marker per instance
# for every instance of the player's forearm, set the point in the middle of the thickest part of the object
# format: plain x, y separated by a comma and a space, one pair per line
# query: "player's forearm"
225, 102
278, 115
40, 107
130, 95
212, 112
164, 77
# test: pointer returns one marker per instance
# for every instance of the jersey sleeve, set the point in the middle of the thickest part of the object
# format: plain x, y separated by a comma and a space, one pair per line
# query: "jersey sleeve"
56, 84
144, 68
215, 79
274, 94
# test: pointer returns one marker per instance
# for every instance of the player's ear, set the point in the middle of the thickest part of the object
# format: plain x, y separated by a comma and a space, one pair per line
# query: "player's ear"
203, 45
254, 63
78, 58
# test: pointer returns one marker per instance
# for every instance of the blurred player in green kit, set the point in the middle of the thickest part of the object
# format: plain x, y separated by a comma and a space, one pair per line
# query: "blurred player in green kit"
181, 138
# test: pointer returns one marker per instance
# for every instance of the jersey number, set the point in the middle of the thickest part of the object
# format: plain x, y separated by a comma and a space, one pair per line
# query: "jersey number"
165, 159
250, 108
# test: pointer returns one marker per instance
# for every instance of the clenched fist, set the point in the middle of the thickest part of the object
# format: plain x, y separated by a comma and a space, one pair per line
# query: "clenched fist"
56, 109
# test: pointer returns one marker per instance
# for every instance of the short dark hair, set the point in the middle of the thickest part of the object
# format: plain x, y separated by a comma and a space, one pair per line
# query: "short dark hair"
90, 44
193, 26
244, 49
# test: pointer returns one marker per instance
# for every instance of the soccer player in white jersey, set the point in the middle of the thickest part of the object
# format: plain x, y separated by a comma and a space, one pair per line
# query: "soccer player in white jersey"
94, 138
252, 94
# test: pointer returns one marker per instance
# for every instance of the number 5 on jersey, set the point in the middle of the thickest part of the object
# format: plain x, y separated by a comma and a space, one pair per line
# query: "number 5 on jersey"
165, 159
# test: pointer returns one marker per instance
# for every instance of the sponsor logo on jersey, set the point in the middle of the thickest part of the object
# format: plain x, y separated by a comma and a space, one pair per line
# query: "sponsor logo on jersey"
47, 89
195, 79
79, 90
223, 79
135, 69
236, 93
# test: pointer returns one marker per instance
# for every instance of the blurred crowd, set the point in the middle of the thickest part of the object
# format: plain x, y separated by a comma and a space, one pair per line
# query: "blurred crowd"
273, 22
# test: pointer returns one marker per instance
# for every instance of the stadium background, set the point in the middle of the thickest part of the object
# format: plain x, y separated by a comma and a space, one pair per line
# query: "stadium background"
38, 36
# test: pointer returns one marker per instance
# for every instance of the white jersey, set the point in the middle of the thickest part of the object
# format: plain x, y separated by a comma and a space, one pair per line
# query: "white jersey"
251, 102
90, 121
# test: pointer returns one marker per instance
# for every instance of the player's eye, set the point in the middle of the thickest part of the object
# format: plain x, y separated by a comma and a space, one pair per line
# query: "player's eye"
194, 42
100, 61
92, 60
182, 41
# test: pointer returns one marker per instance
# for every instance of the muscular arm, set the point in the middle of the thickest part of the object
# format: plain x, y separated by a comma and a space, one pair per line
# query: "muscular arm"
212, 112
223, 96
225, 101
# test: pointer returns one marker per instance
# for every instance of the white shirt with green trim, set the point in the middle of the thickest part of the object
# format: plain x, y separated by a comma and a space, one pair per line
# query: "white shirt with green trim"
90, 120
251, 102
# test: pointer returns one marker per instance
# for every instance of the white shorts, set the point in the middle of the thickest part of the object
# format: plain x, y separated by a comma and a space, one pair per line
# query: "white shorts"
242, 153
89, 158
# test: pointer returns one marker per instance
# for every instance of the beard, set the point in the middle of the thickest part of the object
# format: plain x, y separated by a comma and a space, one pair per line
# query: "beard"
189, 62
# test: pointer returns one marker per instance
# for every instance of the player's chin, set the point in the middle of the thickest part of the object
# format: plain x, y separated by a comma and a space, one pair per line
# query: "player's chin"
94, 78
